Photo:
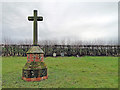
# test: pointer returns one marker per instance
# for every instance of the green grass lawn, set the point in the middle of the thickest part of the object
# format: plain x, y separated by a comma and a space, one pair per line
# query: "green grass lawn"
64, 72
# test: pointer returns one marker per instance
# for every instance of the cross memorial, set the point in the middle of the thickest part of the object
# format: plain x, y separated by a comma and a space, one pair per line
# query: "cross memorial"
35, 69
35, 18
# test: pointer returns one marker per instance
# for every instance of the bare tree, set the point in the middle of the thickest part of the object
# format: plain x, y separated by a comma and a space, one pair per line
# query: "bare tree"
62, 42
68, 41
27, 42
7, 40
54, 42
76, 42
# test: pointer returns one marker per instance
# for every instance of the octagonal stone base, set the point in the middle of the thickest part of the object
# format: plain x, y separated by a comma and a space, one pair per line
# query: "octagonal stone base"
35, 79
34, 71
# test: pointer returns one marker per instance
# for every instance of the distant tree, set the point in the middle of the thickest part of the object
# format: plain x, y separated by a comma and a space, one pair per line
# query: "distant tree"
7, 40
54, 42
62, 42
68, 41
20, 42
28, 42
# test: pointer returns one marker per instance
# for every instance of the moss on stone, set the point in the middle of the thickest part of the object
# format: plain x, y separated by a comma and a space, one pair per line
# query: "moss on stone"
35, 65
35, 49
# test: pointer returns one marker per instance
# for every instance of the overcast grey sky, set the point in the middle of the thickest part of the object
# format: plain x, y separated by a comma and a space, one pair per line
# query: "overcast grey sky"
72, 20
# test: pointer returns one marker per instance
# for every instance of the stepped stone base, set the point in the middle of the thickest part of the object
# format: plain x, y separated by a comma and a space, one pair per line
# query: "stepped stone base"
35, 79
34, 71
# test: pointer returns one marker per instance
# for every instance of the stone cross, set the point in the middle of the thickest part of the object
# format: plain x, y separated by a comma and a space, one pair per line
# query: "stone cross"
35, 69
35, 18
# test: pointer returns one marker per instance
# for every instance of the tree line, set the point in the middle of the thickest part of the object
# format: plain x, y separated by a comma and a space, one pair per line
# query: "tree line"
67, 50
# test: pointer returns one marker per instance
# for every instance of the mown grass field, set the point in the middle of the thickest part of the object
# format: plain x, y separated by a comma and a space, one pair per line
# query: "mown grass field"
64, 72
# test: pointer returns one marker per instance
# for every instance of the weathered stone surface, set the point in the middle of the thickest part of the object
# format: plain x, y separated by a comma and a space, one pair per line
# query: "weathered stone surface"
35, 65
34, 70
35, 49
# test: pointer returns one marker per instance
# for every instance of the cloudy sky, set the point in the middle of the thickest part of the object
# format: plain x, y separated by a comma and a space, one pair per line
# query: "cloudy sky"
62, 20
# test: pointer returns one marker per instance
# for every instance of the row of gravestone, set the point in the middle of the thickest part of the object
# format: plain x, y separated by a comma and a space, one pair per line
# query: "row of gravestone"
54, 54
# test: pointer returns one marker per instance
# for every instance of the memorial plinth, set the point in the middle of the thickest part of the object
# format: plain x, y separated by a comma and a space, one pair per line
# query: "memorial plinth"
35, 69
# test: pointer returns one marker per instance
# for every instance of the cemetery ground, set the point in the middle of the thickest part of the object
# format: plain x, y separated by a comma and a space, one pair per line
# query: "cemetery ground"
64, 72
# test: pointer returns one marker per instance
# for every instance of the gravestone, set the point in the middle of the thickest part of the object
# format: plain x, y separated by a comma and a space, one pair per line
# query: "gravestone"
62, 54
35, 69
77, 55
54, 54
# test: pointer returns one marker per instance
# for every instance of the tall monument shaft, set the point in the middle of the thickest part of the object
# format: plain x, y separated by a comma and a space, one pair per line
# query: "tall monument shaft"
35, 34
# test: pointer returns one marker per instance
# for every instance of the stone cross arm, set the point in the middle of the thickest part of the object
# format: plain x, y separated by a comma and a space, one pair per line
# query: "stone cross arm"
39, 18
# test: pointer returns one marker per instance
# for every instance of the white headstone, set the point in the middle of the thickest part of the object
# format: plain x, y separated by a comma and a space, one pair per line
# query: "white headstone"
77, 56
62, 54
54, 54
